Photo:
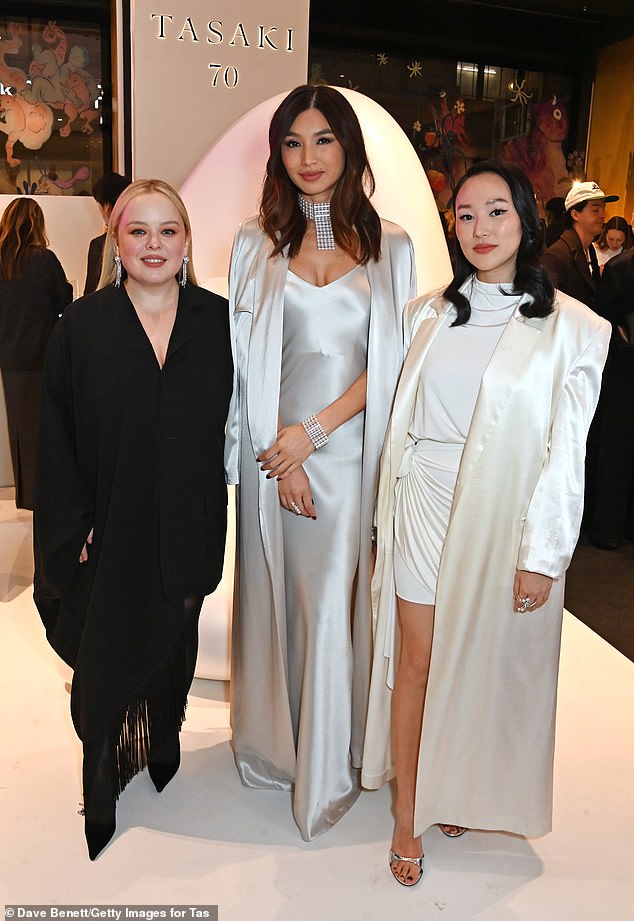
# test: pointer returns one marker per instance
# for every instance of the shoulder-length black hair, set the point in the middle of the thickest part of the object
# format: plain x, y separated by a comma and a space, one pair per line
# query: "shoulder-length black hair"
530, 277
355, 223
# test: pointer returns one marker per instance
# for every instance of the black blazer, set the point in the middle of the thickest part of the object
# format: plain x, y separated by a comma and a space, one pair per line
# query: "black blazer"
566, 263
30, 306
93, 265
615, 302
135, 452
114, 424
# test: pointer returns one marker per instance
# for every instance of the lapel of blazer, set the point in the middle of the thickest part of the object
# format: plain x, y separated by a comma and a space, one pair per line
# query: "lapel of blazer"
579, 261
395, 443
407, 390
513, 352
190, 319
581, 265
265, 348
384, 336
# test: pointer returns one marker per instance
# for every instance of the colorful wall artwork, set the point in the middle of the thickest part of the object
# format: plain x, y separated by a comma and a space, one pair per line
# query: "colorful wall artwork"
539, 153
456, 113
51, 107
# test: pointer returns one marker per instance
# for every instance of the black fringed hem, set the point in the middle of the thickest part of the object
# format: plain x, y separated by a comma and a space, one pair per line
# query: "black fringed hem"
150, 721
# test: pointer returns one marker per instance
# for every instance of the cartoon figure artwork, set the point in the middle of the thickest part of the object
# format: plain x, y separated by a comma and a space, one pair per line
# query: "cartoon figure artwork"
29, 123
63, 83
11, 44
444, 140
57, 79
539, 153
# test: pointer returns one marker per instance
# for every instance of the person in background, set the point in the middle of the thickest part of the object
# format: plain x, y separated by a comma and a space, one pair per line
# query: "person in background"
130, 498
554, 219
571, 261
317, 289
478, 512
33, 293
105, 192
615, 237
574, 269
613, 516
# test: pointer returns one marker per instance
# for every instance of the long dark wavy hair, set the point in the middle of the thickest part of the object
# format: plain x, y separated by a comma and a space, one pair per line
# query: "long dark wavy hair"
355, 223
530, 277
21, 230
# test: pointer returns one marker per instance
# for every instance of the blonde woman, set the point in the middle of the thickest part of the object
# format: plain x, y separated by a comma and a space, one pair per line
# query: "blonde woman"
130, 511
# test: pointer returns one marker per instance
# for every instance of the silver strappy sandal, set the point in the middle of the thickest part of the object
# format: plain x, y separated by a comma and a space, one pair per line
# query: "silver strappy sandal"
418, 862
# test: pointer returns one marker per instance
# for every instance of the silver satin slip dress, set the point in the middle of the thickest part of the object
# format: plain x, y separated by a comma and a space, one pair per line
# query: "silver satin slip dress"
325, 341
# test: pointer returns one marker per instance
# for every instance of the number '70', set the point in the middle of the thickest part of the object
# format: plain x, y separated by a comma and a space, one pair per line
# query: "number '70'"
230, 75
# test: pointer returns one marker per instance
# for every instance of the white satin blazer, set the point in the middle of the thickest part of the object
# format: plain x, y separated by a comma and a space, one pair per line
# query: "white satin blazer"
488, 733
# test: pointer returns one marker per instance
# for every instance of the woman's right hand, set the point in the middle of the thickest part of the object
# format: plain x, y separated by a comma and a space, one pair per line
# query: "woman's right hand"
83, 556
296, 495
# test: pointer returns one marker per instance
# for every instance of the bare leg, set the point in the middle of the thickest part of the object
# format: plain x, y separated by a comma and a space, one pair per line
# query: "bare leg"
408, 701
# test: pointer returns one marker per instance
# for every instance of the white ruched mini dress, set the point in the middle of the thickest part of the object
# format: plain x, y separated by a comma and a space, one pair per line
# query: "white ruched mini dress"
447, 394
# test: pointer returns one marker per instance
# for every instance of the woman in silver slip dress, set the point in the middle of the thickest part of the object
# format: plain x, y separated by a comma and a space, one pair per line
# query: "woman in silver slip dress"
478, 512
317, 286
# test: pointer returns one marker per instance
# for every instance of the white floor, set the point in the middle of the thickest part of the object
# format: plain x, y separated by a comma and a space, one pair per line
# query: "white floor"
207, 840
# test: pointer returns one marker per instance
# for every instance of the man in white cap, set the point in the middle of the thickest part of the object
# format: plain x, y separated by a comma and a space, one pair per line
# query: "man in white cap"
571, 261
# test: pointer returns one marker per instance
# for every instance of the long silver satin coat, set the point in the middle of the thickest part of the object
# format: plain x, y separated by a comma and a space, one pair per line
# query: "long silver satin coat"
260, 715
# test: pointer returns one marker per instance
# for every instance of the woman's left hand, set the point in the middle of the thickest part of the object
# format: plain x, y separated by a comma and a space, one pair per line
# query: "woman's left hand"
83, 556
530, 590
288, 452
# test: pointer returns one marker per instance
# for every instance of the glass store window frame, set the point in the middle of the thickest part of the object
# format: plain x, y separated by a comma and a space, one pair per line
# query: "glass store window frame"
70, 164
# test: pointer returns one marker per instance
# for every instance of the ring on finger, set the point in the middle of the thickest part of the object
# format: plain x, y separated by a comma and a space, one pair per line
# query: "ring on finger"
296, 508
525, 604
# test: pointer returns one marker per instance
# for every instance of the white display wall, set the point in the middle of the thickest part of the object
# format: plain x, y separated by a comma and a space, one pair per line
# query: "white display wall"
197, 67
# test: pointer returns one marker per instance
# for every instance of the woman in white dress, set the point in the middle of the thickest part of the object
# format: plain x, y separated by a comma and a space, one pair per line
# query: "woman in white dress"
317, 287
480, 500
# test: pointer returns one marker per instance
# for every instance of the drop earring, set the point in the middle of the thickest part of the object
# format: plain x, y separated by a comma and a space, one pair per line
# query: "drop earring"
117, 262
183, 281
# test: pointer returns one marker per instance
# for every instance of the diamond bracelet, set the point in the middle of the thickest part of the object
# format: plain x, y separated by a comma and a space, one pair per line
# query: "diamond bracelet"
315, 432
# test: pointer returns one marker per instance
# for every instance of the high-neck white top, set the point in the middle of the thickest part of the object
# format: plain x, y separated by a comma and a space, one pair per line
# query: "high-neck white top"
450, 380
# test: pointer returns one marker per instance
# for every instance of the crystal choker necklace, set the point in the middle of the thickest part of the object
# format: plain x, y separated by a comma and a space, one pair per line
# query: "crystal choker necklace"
319, 212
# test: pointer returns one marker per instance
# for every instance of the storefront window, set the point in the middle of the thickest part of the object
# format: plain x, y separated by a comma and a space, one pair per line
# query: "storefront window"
54, 105
457, 112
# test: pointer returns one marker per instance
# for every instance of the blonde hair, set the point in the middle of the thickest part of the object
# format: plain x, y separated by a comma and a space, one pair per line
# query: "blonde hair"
141, 187
21, 228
